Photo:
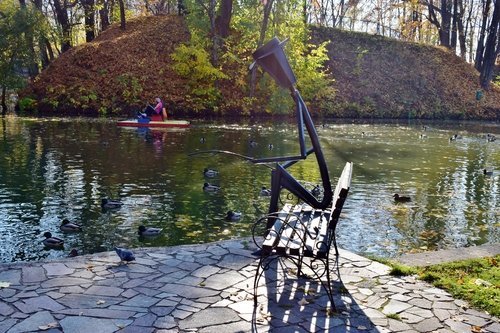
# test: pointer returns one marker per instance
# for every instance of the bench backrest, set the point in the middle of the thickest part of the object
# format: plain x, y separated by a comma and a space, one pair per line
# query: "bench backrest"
340, 193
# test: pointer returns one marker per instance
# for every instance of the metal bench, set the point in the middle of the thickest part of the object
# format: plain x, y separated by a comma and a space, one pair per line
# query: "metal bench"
298, 231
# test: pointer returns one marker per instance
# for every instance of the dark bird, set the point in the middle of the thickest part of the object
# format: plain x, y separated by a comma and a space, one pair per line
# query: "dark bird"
202, 140
316, 191
233, 216
51, 241
73, 253
270, 146
400, 198
67, 226
111, 204
149, 231
455, 137
124, 254
252, 143
487, 172
264, 192
210, 173
207, 187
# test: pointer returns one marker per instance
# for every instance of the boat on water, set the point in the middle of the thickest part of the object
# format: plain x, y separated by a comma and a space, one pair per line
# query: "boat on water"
154, 121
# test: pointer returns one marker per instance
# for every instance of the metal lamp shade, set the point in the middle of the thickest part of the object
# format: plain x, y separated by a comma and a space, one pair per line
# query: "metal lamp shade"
273, 59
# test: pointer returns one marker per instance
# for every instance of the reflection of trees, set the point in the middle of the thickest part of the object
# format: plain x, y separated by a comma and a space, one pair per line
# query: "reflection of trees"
55, 169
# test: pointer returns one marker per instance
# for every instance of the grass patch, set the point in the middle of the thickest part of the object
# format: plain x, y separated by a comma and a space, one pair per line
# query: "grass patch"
476, 281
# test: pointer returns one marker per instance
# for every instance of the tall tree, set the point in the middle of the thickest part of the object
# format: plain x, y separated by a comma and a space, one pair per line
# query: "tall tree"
89, 18
441, 17
486, 5
491, 49
61, 11
268, 5
223, 19
122, 14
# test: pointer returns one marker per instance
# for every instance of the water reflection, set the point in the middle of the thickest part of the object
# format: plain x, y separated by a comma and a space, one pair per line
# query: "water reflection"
51, 169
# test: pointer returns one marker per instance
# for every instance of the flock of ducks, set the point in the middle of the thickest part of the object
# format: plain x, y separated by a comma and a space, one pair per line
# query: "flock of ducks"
66, 226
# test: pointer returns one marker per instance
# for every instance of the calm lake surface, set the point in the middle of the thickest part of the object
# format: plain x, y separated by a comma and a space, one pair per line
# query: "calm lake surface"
51, 169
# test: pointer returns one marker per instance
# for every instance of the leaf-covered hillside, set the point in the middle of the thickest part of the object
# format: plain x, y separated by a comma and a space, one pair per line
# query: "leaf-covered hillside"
120, 71
380, 77
117, 71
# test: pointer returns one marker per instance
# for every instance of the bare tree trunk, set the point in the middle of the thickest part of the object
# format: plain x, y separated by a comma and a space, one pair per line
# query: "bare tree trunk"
491, 49
3, 103
223, 19
122, 14
104, 14
480, 43
62, 18
263, 29
88, 8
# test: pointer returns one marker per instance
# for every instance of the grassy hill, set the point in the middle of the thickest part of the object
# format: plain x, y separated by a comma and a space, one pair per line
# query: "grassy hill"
375, 77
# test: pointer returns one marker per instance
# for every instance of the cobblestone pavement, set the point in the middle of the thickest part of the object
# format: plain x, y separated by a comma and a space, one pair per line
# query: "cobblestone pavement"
209, 288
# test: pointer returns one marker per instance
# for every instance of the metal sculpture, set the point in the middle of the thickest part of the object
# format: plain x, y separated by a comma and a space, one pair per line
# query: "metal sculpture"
272, 59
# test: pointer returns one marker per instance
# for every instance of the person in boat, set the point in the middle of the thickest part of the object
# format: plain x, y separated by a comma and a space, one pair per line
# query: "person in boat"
156, 110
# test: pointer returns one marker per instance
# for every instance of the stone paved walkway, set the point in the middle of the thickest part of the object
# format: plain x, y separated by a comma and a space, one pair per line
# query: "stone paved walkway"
209, 288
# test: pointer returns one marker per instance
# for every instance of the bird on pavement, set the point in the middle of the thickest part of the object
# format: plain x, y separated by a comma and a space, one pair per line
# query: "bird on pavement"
124, 254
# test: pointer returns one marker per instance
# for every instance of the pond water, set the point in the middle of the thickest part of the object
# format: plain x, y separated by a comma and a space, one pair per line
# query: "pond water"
51, 169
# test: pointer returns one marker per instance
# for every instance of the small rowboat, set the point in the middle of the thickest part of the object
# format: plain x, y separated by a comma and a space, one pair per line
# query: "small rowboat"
145, 122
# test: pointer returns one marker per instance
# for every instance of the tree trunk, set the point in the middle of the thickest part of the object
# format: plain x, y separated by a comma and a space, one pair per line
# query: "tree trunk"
104, 14
88, 8
480, 42
491, 49
3, 103
263, 28
122, 14
62, 18
223, 19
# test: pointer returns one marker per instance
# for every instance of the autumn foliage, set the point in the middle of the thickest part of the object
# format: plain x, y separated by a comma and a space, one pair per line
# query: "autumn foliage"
372, 77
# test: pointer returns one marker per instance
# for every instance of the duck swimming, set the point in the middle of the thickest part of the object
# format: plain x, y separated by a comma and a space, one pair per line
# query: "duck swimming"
67, 226
149, 231
210, 173
400, 198
210, 188
233, 216
53, 242
264, 192
487, 172
110, 204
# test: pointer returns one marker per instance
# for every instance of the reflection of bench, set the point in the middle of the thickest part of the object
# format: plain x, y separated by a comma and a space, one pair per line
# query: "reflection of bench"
299, 232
